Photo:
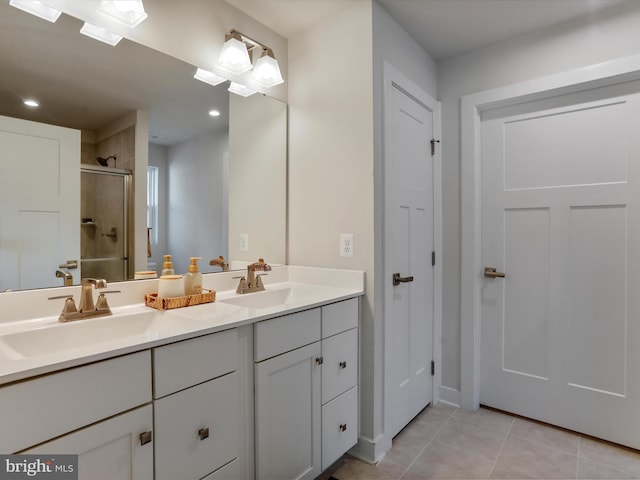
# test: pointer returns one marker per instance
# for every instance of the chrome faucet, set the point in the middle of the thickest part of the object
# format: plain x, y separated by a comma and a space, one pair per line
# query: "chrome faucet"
253, 283
87, 308
219, 262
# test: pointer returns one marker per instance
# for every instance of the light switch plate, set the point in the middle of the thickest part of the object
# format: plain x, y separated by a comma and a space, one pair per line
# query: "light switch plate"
244, 242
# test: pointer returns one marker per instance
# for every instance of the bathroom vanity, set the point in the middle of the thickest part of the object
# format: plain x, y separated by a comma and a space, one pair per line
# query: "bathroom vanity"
261, 385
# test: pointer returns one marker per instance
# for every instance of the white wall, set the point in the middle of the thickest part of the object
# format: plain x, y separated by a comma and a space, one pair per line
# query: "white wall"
605, 36
331, 177
197, 211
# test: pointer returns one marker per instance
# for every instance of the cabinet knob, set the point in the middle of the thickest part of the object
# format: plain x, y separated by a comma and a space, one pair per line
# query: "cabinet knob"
145, 437
320, 360
343, 364
343, 427
203, 433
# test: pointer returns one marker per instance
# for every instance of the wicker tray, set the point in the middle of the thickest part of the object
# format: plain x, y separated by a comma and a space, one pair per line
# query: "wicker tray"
154, 301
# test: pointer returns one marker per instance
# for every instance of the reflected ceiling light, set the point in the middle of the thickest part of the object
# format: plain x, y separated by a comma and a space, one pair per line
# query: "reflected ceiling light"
127, 12
99, 33
214, 113
37, 8
266, 73
30, 102
241, 90
208, 77
234, 57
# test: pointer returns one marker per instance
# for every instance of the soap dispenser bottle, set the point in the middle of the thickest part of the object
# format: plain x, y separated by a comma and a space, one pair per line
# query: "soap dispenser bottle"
167, 267
193, 278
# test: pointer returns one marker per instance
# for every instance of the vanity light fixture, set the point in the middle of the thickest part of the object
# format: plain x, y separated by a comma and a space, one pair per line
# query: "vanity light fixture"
208, 77
234, 57
37, 8
240, 89
101, 34
127, 12
266, 73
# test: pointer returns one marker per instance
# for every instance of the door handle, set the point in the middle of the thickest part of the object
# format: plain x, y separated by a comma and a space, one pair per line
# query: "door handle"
491, 272
397, 279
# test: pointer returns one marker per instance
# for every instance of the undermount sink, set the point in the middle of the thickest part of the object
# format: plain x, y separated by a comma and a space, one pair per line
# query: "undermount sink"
58, 337
269, 298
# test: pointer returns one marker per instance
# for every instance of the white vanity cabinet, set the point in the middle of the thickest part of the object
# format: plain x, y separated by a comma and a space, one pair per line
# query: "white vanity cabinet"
306, 400
42, 411
198, 402
119, 448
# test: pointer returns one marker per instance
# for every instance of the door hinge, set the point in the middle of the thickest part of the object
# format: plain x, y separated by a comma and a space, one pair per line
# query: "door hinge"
433, 258
433, 368
433, 146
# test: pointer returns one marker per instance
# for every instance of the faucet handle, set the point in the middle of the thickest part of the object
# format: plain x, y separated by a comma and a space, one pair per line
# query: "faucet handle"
259, 283
242, 285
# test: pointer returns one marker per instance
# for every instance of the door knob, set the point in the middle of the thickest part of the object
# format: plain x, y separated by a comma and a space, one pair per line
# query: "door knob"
397, 279
491, 272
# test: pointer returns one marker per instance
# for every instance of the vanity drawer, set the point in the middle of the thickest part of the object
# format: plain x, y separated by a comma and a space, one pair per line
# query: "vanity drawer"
340, 365
43, 408
283, 334
183, 364
180, 452
339, 317
339, 426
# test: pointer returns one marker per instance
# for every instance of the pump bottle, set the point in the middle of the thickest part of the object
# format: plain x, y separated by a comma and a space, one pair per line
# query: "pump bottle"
193, 278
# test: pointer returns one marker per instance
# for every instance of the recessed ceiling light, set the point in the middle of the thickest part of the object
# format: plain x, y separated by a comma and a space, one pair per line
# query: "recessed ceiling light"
214, 113
30, 102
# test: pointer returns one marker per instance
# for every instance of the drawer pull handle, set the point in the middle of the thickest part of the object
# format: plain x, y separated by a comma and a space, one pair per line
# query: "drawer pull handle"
343, 364
320, 360
203, 433
145, 437
343, 427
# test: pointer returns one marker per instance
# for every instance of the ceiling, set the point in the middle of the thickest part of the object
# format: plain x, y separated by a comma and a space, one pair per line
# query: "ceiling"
443, 28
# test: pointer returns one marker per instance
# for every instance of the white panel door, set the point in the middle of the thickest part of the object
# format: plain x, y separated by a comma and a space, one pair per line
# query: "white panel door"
561, 218
409, 240
39, 202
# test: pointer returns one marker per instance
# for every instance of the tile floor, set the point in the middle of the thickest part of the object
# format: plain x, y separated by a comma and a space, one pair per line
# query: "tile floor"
444, 442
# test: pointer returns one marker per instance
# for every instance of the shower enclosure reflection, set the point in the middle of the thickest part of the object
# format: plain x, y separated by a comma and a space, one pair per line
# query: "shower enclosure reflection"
105, 233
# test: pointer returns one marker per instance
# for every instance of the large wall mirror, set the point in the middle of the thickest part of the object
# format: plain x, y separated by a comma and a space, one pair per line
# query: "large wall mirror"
218, 183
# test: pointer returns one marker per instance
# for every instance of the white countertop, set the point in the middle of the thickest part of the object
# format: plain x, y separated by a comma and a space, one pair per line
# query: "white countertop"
40, 345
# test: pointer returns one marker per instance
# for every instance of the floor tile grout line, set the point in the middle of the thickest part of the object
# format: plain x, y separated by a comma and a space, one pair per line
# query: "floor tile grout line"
578, 457
427, 444
501, 448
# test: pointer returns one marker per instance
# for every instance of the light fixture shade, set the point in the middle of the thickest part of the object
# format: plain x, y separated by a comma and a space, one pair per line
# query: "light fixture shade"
37, 8
99, 33
234, 57
127, 12
241, 90
266, 73
208, 77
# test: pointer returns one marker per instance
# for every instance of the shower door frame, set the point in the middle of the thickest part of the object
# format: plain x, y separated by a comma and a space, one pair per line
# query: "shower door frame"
127, 177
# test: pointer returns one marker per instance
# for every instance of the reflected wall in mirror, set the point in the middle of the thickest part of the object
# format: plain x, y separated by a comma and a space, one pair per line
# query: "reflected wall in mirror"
114, 96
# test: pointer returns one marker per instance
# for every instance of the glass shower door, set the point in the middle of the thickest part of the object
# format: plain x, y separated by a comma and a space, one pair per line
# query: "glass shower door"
104, 236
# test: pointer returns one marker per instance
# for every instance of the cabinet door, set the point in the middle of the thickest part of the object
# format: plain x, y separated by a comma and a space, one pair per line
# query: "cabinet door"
110, 449
198, 429
288, 415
